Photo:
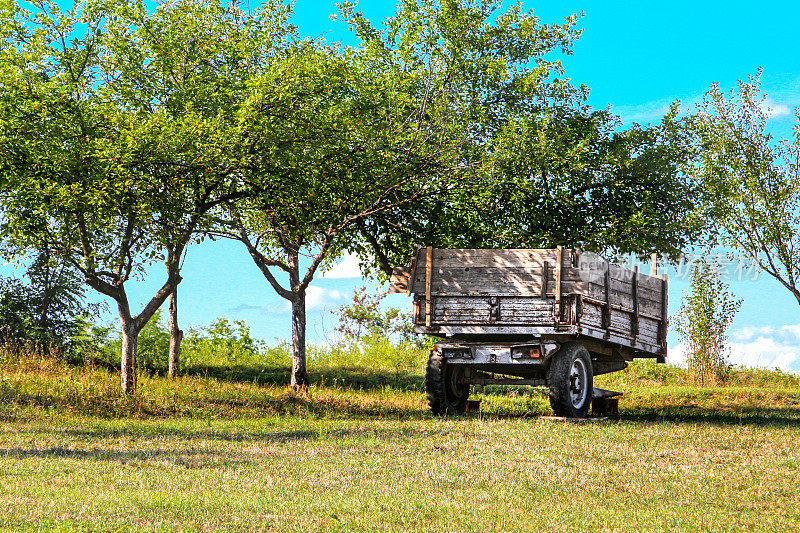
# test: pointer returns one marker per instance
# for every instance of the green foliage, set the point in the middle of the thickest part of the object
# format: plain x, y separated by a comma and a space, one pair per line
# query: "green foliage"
703, 321
751, 181
49, 310
223, 343
120, 129
534, 166
363, 317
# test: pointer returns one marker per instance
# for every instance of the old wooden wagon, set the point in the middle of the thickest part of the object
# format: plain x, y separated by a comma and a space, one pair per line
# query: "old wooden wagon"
552, 317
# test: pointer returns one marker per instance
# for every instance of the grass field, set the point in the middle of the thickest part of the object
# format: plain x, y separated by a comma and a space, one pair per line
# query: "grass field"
234, 450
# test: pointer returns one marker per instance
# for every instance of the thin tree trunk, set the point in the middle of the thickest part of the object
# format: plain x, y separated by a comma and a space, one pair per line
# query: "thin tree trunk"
175, 335
128, 357
299, 372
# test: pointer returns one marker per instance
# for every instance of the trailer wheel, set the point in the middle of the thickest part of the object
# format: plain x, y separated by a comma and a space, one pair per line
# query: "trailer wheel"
571, 381
447, 393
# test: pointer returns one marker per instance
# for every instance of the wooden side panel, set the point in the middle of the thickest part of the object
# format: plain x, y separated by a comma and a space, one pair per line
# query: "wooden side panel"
497, 272
460, 310
621, 324
505, 290
478, 310
620, 293
526, 310
454, 258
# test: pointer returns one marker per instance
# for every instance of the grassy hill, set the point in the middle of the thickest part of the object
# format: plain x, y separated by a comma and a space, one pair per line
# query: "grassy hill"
232, 449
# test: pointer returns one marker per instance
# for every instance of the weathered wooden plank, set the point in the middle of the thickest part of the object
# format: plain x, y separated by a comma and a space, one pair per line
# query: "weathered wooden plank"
450, 258
428, 268
470, 309
496, 279
504, 289
620, 322
461, 309
635, 300
557, 281
597, 290
626, 275
648, 302
400, 280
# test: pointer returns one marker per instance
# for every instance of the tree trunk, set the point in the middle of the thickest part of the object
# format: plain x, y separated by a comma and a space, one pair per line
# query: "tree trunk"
175, 335
128, 357
299, 373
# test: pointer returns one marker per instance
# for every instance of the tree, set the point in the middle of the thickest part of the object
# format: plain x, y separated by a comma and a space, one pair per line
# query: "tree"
362, 316
347, 136
545, 169
175, 336
47, 310
337, 144
751, 181
703, 321
119, 132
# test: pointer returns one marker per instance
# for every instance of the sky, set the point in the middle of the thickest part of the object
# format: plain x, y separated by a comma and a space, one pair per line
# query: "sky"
637, 57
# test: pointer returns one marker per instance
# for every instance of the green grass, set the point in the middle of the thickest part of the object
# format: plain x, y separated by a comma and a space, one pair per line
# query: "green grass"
234, 450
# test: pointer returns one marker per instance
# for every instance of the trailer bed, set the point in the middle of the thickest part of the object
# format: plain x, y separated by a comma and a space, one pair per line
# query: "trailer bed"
524, 294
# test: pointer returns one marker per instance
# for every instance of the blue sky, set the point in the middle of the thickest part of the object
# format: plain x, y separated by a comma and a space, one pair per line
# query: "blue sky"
637, 57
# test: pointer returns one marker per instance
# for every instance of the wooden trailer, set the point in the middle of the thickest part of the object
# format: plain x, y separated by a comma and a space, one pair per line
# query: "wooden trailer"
553, 317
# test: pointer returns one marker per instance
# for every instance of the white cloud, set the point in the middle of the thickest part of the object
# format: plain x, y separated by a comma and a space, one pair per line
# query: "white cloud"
773, 109
320, 298
676, 355
764, 347
282, 307
346, 268
317, 299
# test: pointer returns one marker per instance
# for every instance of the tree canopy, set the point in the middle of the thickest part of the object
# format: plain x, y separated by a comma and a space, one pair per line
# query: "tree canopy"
751, 181
119, 132
126, 134
538, 166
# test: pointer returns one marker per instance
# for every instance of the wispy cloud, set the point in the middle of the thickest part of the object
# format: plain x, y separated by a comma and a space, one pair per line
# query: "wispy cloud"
276, 309
764, 347
642, 113
773, 109
318, 298
777, 104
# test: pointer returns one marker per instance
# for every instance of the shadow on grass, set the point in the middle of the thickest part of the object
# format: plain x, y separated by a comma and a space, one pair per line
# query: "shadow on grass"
740, 416
350, 378
191, 458
20, 405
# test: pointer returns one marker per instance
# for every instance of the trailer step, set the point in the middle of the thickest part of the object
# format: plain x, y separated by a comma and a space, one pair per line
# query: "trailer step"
605, 402
603, 393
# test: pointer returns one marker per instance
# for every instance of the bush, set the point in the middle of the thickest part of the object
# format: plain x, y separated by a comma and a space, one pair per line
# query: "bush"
703, 321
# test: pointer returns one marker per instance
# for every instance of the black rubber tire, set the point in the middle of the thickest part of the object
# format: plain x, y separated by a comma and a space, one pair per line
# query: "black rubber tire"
445, 395
560, 381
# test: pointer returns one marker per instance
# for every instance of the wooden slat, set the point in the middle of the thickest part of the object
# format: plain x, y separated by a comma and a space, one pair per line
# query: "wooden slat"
606, 322
545, 274
626, 275
557, 282
492, 280
616, 286
453, 258
428, 267
635, 301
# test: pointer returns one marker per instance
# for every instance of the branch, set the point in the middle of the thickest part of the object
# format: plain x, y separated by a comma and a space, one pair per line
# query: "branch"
262, 262
383, 261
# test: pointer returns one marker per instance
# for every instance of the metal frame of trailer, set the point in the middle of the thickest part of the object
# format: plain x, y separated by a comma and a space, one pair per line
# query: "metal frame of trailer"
518, 313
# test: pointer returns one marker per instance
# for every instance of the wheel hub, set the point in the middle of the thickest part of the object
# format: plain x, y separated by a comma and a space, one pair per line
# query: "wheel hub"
578, 377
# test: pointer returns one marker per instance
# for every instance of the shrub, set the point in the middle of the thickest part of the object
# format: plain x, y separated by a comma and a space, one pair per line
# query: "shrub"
703, 321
